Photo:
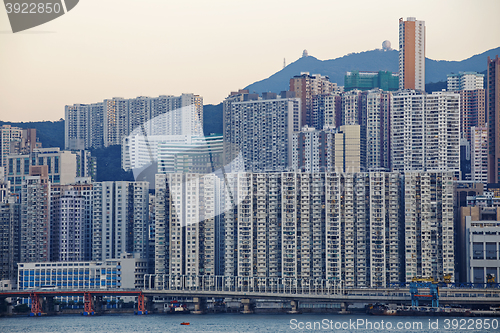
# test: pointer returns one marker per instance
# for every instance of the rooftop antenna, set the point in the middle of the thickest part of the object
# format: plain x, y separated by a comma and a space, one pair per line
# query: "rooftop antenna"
284, 63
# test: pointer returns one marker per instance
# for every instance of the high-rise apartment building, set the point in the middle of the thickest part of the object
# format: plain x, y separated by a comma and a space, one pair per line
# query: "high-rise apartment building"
35, 216
378, 131
411, 54
109, 122
349, 152
329, 150
194, 155
120, 212
465, 81
71, 222
84, 126
10, 222
61, 166
336, 226
425, 131
187, 210
493, 110
327, 110
305, 87
479, 154
259, 131
15, 140
313, 150
472, 111
429, 228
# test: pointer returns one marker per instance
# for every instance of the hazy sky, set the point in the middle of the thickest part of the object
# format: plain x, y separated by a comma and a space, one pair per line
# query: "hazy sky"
129, 48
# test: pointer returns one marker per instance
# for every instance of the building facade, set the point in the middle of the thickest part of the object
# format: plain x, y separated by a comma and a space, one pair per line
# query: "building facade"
378, 130
479, 154
120, 212
465, 81
429, 227
123, 273
493, 113
35, 216
482, 249
259, 131
384, 80
187, 213
10, 223
472, 111
109, 122
311, 226
61, 166
71, 222
425, 131
305, 87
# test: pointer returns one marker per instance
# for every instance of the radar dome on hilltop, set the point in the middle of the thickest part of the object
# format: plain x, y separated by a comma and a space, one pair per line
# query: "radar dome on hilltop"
305, 54
386, 45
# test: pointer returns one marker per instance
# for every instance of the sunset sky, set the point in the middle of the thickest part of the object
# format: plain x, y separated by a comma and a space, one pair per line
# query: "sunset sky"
128, 48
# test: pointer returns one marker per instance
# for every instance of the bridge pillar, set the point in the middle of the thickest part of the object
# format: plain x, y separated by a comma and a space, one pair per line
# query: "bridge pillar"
247, 306
344, 307
295, 306
198, 305
36, 306
141, 306
88, 309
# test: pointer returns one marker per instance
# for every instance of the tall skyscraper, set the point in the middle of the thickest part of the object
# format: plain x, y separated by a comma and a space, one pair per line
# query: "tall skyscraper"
493, 109
411, 54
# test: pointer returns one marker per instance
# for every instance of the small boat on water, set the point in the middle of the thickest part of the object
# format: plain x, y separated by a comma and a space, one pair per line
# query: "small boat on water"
184, 323
176, 307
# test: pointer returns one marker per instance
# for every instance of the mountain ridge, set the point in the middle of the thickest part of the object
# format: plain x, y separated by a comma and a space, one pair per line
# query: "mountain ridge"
373, 60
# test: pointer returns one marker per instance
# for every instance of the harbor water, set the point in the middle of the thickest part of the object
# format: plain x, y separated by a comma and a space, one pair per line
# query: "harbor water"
246, 323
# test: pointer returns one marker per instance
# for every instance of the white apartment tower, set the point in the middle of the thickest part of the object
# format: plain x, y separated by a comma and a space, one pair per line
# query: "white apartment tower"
411, 54
425, 131
465, 81
186, 214
120, 219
